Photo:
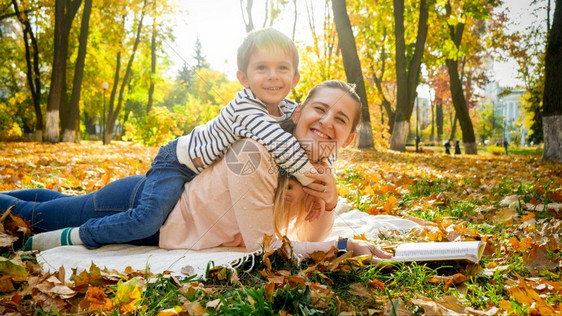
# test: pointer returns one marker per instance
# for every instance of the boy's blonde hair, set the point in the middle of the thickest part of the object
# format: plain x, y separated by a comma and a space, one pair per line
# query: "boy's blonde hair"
268, 39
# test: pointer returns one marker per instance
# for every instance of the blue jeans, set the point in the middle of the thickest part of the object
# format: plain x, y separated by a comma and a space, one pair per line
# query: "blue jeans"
129, 210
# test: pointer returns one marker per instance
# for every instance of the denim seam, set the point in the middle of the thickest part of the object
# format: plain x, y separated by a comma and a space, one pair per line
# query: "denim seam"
135, 192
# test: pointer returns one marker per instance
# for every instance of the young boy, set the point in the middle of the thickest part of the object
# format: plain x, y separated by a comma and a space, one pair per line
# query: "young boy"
268, 70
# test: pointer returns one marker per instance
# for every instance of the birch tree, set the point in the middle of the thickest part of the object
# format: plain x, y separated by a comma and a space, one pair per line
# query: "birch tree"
552, 98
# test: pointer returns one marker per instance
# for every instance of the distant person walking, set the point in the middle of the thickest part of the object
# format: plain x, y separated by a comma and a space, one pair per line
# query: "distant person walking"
448, 147
457, 147
505, 145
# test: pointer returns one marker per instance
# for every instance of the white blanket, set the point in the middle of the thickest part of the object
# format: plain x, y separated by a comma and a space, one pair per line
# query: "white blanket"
187, 262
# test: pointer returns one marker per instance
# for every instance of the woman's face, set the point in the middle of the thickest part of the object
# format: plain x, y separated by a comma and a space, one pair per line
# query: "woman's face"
324, 123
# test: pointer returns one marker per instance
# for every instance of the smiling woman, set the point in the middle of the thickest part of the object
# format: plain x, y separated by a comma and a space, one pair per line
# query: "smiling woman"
330, 113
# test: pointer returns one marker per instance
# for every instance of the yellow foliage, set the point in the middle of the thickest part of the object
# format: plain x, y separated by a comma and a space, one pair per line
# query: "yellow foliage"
15, 271
496, 150
197, 112
390, 204
176, 310
128, 295
527, 296
96, 300
157, 128
9, 128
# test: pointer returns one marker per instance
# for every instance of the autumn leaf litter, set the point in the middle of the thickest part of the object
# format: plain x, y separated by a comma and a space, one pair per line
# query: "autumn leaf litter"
514, 204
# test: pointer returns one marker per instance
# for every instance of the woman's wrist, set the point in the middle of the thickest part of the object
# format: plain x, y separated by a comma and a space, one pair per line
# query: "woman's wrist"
331, 206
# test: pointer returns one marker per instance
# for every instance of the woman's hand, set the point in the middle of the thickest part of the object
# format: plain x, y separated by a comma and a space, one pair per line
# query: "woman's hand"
322, 191
365, 248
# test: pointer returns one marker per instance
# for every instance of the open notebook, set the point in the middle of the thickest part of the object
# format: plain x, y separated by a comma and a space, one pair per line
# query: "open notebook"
440, 251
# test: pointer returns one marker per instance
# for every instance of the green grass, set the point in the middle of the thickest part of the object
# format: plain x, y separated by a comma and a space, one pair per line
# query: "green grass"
535, 151
483, 290
526, 151
248, 296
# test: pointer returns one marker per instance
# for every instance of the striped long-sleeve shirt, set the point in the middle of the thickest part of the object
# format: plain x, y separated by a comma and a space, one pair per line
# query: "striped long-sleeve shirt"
246, 116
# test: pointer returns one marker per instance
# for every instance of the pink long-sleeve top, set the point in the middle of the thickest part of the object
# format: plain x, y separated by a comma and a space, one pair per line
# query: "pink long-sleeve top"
229, 204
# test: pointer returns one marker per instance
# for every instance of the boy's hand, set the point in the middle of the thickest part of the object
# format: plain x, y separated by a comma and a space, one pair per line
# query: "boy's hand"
198, 162
324, 186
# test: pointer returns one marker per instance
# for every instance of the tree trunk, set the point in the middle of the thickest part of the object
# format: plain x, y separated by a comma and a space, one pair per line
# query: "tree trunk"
407, 76
461, 109
552, 97
454, 121
439, 121
432, 135
39, 127
65, 11
391, 115
71, 126
89, 124
56, 92
152, 67
385, 104
32, 73
455, 85
352, 66
105, 138
400, 132
294, 19
249, 24
112, 115
268, 8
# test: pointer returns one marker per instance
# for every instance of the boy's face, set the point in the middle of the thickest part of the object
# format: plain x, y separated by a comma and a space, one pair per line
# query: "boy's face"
270, 75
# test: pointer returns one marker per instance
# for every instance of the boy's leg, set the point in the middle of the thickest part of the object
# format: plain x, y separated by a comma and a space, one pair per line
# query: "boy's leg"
48, 214
57, 220
53, 211
162, 189
35, 195
49, 210
62, 237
